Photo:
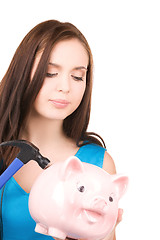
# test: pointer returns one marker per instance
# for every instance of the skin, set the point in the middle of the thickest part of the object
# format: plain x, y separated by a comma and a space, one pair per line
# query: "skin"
65, 80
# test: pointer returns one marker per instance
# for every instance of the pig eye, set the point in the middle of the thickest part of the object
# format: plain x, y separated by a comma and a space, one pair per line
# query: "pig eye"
80, 188
110, 199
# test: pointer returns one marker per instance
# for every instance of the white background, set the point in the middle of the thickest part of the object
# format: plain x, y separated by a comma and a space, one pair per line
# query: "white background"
125, 40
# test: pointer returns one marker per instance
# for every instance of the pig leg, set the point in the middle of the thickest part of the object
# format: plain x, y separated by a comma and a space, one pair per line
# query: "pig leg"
40, 228
54, 232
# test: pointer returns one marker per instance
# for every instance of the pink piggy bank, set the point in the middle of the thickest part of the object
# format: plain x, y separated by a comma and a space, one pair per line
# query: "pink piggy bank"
76, 200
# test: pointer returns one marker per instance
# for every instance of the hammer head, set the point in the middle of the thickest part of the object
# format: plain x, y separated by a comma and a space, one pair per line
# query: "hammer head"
28, 151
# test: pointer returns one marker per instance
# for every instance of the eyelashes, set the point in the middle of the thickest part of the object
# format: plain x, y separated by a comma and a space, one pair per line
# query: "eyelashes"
77, 78
51, 75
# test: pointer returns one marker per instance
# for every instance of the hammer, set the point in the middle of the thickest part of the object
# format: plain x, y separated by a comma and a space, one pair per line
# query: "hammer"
28, 151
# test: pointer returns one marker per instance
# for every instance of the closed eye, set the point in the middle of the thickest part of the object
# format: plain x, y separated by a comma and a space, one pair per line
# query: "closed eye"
51, 74
77, 78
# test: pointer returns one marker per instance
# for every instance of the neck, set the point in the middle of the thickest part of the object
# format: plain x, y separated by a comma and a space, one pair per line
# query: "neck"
41, 131
49, 137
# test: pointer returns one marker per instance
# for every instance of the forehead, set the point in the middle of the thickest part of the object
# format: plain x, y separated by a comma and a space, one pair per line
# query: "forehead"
69, 53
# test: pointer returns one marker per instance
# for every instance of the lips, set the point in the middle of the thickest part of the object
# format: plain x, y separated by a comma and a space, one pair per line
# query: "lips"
59, 103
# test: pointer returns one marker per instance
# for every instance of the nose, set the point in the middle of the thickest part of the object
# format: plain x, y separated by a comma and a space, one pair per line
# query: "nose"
63, 84
99, 203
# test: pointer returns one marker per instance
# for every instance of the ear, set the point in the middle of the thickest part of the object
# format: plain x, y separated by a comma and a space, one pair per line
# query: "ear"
121, 183
71, 166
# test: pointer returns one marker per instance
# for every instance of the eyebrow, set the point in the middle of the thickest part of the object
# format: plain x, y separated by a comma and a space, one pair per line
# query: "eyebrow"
58, 66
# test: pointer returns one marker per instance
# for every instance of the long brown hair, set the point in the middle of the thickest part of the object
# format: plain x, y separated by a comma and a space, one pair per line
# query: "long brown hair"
18, 93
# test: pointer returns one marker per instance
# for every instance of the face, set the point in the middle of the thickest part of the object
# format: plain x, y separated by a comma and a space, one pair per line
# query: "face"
65, 81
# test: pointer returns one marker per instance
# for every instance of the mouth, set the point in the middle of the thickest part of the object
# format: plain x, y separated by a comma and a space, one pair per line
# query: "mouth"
59, 103
92, 216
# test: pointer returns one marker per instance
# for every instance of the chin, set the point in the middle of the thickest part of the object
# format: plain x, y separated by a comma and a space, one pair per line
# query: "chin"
56, 114
57, 117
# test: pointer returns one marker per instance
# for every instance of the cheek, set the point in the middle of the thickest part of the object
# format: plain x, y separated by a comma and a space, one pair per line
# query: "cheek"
44, 92
37, 106
78, 93
41, 99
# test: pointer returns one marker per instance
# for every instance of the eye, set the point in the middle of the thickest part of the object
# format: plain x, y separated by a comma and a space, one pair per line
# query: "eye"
50, 75
110, 199
77, 78
80, 188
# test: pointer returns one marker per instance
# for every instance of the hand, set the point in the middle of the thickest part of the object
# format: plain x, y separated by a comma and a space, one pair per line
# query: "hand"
67, 238
112, 235
120, 214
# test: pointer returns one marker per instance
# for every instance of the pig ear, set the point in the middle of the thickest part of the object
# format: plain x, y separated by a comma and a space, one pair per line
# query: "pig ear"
121, 183
71, 166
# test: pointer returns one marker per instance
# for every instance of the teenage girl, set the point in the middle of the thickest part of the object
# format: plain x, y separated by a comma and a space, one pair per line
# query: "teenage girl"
45, 98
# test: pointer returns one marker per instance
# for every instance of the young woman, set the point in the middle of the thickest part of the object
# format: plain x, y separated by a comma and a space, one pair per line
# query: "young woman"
45, 98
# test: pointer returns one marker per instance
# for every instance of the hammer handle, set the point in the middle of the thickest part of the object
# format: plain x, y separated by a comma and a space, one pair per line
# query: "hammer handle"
10, 171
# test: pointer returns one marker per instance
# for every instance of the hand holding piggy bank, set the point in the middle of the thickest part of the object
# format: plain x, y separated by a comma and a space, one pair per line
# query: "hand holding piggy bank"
76, 200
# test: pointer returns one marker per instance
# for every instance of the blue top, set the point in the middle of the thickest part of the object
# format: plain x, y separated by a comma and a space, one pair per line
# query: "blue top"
17, 222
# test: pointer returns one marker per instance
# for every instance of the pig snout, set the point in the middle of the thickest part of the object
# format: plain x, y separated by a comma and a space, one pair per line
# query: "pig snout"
96, 210
99, 204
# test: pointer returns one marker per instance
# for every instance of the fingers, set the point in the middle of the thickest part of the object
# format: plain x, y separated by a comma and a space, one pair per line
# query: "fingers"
120, 214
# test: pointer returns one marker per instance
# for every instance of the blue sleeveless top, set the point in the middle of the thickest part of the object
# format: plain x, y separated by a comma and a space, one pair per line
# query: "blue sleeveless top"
17, 222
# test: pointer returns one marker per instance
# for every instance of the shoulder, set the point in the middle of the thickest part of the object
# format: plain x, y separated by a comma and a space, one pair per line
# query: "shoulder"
97, 155
108, 164
91, 153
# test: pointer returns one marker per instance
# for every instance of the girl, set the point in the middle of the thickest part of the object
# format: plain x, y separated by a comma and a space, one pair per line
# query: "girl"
45, 98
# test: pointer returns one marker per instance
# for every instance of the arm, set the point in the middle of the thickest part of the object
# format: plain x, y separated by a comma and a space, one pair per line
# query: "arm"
109, 166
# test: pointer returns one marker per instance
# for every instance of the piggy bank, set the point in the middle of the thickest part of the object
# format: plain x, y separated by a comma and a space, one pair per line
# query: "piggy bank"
76, 200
